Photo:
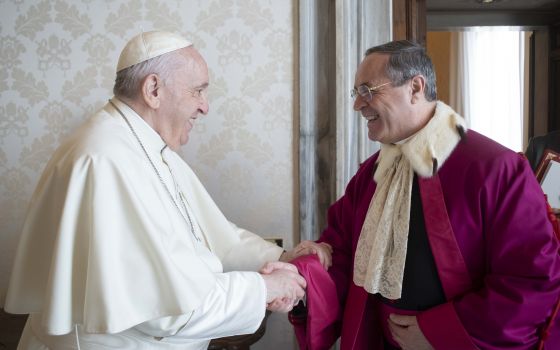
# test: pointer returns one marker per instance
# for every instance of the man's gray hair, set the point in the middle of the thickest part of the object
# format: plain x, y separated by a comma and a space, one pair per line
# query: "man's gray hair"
406, 60
128, 81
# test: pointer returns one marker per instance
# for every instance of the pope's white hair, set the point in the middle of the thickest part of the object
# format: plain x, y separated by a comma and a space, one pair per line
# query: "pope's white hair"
128, 81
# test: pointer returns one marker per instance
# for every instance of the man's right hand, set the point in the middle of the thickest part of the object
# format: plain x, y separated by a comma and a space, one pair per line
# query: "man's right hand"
284, 286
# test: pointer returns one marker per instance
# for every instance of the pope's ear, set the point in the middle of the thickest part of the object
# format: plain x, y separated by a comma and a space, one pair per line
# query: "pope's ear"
151, 90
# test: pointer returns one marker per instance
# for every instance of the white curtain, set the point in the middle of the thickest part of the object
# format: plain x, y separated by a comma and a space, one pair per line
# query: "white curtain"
488, 81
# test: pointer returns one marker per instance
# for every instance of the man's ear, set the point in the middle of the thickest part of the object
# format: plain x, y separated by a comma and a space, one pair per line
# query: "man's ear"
418, 86
151, 90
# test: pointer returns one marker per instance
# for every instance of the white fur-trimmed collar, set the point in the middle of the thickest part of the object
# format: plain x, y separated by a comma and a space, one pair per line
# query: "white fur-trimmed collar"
430, 147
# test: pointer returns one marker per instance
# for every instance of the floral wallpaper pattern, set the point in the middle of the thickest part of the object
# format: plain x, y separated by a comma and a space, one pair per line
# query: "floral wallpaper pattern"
57, 62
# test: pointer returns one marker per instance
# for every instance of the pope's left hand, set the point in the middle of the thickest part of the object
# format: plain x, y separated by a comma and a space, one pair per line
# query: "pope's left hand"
407, 333
322, 250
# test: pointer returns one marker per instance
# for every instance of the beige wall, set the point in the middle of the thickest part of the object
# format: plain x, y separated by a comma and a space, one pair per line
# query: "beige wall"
438, 46
57, 66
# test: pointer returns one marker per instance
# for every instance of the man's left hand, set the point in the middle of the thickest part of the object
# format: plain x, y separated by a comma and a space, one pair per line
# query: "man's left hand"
407, 333
322, 250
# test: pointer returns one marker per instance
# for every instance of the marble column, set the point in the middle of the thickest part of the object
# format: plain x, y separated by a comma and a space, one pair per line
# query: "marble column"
334, 34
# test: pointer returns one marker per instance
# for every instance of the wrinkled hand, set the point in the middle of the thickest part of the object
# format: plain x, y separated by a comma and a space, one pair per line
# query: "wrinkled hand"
322, 250
275, 265
407, 333
281, 305
284, 286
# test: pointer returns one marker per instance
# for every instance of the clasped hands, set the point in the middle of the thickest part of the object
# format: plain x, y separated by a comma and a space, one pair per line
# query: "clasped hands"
284, 286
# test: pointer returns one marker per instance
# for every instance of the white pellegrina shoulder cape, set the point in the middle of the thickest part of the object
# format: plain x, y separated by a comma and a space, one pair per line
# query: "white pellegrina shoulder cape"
103, 245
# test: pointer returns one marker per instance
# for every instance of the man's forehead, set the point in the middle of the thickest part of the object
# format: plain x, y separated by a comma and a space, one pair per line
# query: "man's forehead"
195, 69
372, 68
193, 60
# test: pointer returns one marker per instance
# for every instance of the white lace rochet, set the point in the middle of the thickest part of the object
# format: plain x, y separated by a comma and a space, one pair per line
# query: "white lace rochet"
381, 251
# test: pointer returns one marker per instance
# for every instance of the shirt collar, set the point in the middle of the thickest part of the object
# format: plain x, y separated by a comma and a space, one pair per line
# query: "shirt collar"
148, 136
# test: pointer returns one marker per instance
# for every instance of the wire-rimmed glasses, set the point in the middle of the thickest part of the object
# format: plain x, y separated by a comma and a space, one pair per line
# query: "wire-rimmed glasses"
365, 91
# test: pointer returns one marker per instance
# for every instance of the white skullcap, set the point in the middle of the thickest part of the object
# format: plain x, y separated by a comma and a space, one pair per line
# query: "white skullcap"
149, 45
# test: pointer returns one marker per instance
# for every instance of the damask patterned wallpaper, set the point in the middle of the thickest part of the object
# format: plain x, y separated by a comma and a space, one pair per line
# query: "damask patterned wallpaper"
57, 67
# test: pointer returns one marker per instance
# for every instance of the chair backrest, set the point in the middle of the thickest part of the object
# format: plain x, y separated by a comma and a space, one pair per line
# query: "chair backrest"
538, 144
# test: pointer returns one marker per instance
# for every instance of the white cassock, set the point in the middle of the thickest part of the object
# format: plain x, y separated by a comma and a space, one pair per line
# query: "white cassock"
107, 258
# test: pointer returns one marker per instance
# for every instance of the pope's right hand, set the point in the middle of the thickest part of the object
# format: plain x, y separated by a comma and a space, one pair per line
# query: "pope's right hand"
284, 286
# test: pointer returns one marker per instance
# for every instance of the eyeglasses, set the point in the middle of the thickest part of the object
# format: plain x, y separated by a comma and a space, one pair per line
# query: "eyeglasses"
365, 91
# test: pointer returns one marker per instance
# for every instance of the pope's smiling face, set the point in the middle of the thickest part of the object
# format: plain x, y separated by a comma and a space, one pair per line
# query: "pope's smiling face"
185, 98
389, 111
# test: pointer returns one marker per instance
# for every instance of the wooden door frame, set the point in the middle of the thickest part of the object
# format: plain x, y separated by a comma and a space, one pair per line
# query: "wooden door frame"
409, 20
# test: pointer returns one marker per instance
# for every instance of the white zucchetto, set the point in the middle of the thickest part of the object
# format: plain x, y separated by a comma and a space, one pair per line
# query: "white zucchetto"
149, 45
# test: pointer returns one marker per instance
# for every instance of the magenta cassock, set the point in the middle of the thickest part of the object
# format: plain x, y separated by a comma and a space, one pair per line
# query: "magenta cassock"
493, 244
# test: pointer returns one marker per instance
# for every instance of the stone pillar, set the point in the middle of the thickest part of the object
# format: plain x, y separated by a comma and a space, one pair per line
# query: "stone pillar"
334, 35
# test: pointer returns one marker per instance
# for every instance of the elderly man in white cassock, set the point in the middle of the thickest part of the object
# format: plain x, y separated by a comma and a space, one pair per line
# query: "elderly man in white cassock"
122, 247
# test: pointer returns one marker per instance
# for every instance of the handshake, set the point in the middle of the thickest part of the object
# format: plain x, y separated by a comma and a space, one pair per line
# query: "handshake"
284, 286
